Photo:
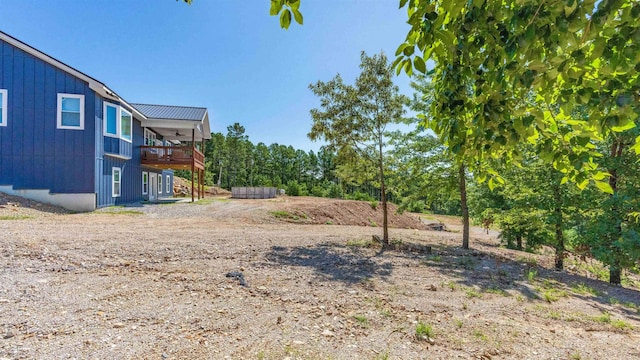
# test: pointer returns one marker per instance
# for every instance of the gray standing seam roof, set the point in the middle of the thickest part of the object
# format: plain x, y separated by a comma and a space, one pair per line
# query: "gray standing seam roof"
171, 112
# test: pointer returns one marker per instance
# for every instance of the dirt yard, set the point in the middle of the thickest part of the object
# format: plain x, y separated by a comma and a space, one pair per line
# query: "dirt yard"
149, 282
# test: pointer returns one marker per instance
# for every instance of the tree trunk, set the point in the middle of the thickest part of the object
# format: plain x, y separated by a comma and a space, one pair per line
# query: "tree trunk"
614, 268
557, 197
220, 176
465, 208
519, 242
383, 194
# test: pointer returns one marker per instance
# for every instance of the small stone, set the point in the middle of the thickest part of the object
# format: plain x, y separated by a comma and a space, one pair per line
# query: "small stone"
298, 342
9, 334
118, 325
328, 333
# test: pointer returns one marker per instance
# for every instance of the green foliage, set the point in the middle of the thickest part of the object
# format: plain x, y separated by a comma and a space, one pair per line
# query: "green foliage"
293, 188
424, 331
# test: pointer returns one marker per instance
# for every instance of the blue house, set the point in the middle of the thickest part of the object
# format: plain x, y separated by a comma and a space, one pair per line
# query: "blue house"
69, 140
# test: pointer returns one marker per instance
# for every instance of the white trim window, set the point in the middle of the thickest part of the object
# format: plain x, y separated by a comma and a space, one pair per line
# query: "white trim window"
149, 137
159, 183
111, 123
126, 125
116, 181
145, 183
3, 107
168, 184
70, 111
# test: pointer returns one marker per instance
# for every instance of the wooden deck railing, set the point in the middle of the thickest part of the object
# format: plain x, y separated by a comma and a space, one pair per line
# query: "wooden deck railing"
172, 157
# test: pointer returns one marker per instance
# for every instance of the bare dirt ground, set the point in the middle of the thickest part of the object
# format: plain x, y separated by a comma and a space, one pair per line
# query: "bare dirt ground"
148, 282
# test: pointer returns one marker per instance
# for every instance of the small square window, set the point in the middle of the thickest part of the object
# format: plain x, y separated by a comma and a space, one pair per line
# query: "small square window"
71, 111
116, 173
3, 107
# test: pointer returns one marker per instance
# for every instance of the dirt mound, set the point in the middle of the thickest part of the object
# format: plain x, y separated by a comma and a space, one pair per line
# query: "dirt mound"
312, 210
15, 207
182, 187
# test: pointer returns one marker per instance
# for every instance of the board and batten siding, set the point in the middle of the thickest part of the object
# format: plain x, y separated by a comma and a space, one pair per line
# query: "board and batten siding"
33, 153
131, 177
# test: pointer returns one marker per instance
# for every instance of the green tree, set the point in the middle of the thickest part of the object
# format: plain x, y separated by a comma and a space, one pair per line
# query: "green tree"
353, 119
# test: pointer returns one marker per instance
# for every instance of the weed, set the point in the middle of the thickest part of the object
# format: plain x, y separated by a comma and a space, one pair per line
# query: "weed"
555, 315
383, 355
424, 331
553, 295
15, 217
531, 275
435, 258
633, 306
584, 289
532, 262
576, 356
465, 306
614, 301
519, 298
360, 243
496, 290
329, 222
373, 204
458, 323
280, 214
471, 293
362, 320
385, 312
373, 223
478, 334
261, 355
604, 318
621, 325
466, 262
452, 285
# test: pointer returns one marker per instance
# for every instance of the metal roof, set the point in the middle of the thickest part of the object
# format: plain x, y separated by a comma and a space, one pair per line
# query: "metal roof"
171, 112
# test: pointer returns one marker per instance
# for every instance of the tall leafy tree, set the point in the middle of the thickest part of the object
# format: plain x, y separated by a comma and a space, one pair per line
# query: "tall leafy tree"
353, 119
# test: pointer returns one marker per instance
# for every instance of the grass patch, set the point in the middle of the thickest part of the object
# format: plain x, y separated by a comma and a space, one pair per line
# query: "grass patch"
528, 260
497, 291
604, 318
458, 323
471, 293
15, 217
124, 212
531, 275
583, 289
479, 335
466, 262
553, 295
362, 320
435, 258
424, 331
281, 214
360, 243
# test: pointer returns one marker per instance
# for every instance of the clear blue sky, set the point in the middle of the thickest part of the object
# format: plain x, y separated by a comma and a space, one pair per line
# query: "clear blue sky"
227, 55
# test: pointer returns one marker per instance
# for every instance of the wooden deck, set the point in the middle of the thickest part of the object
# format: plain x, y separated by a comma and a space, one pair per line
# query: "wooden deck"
172, 157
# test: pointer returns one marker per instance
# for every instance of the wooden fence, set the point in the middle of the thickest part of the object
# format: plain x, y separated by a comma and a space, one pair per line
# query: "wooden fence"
253, 192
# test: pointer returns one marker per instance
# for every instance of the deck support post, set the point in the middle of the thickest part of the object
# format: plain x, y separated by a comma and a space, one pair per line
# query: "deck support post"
193, 162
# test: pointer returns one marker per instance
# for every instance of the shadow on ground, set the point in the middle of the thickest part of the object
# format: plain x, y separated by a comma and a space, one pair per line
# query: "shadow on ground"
333, 262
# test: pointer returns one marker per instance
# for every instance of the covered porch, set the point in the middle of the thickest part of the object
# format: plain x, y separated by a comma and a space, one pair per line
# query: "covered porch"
184, 131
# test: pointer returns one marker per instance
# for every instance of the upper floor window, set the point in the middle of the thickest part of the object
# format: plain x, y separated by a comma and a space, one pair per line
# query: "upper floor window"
3, 107
149, 138
71, 111
126, 121
110, 119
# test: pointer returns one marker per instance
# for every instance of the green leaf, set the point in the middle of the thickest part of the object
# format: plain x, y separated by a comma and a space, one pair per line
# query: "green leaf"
419, 64
604, 186
403, 3
297, 15
285, 19
276, 6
